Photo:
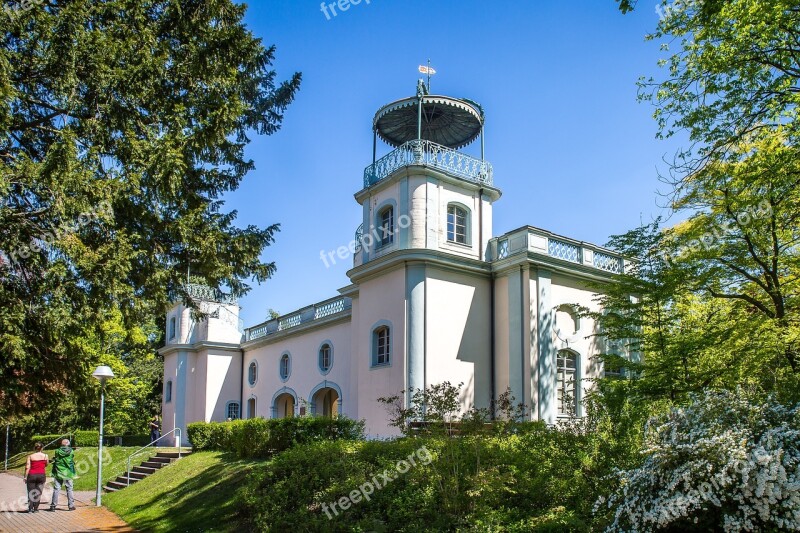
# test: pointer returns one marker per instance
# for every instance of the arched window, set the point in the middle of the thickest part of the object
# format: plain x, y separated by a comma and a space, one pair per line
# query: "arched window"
252, 373
251, 408
386, 230
381, 346
285, 367
168, 392
325, 358
457, 224
566, 379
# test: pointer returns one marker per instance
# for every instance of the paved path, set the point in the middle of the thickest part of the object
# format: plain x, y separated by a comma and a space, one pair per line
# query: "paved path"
87, 517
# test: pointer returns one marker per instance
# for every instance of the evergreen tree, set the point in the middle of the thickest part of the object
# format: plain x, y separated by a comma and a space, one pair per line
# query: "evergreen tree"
122, 123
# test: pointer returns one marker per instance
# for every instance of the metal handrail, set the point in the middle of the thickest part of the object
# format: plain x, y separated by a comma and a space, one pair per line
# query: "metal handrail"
20, 454
177, 432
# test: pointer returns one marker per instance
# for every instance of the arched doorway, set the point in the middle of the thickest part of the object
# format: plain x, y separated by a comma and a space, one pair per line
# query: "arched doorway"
284, 406
251, 407
326, 402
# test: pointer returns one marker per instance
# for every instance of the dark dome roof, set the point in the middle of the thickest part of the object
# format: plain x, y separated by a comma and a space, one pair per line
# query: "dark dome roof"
448, 121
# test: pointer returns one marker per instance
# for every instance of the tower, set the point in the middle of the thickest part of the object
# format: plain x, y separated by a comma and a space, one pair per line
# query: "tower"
421, 258
202, 360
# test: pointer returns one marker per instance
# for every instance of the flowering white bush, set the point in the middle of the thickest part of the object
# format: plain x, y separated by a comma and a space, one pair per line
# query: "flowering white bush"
723, 462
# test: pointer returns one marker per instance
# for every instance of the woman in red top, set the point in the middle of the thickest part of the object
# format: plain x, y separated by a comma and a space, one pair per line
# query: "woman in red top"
35, 468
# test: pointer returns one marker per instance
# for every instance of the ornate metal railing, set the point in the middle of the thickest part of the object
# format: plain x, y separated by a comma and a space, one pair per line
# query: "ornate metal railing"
502, 248
208, 294
564, 250
303, 316
608, 263
359, 236
431, 154
226, 316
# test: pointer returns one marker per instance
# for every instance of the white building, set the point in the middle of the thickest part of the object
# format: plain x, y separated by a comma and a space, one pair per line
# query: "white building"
433, 297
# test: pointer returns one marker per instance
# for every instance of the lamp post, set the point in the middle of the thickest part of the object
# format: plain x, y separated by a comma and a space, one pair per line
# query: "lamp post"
101, 373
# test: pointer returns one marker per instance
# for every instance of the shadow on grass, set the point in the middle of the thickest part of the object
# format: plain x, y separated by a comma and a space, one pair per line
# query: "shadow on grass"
203, 502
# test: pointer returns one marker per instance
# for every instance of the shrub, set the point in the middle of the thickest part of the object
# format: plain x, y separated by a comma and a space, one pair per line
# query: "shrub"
210, 436
260, 438
530, 481
78, 439
725, 462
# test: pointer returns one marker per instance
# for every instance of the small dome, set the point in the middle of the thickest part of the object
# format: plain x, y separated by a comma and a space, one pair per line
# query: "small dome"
451, 122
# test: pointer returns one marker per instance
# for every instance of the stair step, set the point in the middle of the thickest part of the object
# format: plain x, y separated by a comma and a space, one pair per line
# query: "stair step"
172, 455
158, 461
124, 480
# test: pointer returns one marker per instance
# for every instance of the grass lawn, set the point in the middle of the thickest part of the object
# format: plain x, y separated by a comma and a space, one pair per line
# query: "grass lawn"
114, 464
196, 493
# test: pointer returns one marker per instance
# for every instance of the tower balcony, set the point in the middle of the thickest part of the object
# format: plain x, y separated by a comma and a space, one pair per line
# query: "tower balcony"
430, 154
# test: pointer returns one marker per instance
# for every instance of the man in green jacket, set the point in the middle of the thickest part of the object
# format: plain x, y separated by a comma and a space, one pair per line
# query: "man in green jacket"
63, 473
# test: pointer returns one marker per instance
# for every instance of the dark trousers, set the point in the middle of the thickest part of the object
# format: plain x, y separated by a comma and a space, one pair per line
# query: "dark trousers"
154, 435
35, 488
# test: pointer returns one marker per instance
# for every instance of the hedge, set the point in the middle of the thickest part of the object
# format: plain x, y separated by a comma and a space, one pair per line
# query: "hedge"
89, 438
261, 438
77, 438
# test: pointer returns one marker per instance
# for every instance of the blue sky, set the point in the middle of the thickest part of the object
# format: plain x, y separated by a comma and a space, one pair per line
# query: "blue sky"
573, 152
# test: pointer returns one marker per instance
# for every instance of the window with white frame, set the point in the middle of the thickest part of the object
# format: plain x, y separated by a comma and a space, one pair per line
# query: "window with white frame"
168, 392
233, 411
325, 354
566, 378
457, 224
285, 367
252, 373
386, 231
381, 346
172, 328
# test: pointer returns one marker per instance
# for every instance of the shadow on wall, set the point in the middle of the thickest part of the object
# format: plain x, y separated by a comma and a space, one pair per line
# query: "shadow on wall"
547, 358
475, 347
222, 373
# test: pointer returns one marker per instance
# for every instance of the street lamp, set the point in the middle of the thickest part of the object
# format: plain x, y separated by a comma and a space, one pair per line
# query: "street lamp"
101, 373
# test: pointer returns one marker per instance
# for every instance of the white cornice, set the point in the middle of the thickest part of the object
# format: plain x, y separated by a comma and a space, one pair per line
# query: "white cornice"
444, 260
225, 346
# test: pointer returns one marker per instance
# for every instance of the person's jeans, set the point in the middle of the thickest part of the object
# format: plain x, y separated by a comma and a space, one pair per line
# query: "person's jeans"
35, 488
57, 488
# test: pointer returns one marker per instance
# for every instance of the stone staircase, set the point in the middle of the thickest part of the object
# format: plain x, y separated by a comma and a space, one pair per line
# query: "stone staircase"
148, 467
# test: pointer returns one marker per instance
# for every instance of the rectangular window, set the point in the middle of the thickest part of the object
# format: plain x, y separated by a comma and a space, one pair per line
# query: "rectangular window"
325, 358
168, 392
566, 372
233, 411
387, 226
456, 225
382, 348
172, 328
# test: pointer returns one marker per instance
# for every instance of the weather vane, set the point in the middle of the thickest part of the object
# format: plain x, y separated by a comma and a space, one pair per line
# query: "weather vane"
429, 71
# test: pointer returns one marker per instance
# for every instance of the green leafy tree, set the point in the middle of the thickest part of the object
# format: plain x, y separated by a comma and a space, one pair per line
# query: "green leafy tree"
731, 85
741, 244
651, 309
122, 123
